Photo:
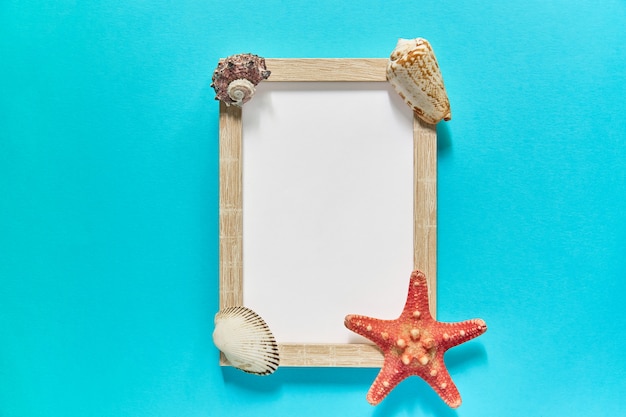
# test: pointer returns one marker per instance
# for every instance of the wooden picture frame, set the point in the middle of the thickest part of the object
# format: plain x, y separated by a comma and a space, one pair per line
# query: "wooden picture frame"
231, 204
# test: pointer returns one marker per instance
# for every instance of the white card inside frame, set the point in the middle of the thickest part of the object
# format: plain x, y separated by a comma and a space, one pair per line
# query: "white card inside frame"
308, 174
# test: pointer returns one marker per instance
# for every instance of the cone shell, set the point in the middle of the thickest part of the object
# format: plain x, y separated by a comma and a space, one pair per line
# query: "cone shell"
235, 78
246, 340
414, 73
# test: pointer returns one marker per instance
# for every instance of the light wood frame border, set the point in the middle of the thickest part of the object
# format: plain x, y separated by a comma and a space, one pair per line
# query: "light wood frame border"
231, 210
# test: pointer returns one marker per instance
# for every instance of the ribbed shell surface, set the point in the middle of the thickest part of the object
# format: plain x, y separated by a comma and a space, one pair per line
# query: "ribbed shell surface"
246, 340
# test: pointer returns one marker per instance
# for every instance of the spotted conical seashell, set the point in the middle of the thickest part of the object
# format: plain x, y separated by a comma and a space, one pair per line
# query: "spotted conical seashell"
414, 73
246, 340
235, 78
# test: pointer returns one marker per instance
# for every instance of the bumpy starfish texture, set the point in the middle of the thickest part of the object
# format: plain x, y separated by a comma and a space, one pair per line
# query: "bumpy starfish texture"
414, 344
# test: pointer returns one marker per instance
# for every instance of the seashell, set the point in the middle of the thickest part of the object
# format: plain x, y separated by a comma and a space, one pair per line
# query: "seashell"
414, 73
235, 78
246, 340
240, 91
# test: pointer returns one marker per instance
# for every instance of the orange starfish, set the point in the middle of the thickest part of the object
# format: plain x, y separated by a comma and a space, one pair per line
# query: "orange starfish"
414, 344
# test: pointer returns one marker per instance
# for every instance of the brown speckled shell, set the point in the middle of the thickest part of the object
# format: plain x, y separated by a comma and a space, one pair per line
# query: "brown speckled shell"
414, 73
248, 67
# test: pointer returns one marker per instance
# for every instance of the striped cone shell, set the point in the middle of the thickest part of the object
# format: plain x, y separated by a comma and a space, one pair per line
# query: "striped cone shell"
414, 73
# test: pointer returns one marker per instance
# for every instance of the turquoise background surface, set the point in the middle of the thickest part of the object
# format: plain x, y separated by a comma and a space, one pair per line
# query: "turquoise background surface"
109, 204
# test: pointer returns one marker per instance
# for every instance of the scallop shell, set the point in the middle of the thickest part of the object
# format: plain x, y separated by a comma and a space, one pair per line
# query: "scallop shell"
246, 340
414, 73
235, 78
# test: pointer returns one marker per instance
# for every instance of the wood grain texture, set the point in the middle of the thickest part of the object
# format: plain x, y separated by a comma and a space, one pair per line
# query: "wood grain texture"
349, 355
326, 69
231, 205
354, 355
425, 205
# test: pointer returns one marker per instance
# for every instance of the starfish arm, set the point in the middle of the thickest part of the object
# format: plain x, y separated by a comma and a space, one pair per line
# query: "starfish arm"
441, 381
375, 330
417, 300
453, 334
386, 380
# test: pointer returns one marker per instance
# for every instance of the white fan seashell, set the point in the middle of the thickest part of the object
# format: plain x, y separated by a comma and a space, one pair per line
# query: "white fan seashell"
246, 340
414, 73
240, 91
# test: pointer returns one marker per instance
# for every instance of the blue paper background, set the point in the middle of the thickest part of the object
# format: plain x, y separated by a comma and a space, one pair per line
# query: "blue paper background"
108, 204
